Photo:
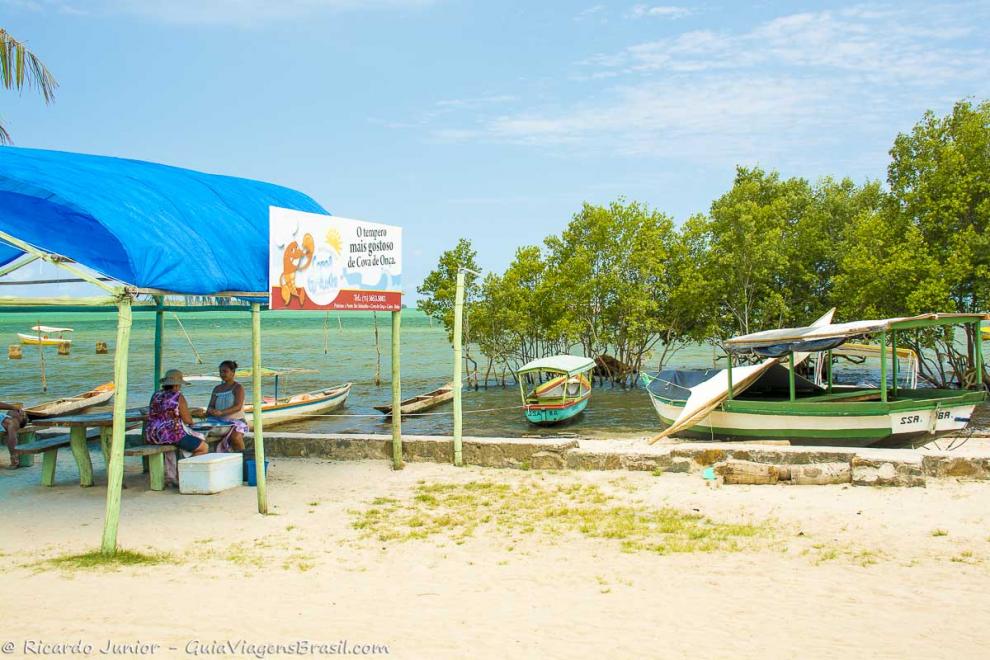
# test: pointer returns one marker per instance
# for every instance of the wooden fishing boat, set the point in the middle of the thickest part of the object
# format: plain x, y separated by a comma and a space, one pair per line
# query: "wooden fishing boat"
278, 411
73, 404
422, 402
43, 336
564, 396
771, 401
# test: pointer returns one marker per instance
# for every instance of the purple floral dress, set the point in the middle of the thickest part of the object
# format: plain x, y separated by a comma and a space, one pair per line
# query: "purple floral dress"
165, 426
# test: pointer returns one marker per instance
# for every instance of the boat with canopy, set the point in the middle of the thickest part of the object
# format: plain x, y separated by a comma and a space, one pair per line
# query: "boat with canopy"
771, 400
45, 335
563, 396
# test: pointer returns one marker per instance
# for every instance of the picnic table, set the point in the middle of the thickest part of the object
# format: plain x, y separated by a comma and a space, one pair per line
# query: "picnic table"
78, 426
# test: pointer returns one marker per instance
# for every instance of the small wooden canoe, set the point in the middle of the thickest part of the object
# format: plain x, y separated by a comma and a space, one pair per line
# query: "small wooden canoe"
42, 340
299, 406
422, 402
73, 404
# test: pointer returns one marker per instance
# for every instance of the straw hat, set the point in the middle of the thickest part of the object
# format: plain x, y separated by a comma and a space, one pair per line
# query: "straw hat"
173, 377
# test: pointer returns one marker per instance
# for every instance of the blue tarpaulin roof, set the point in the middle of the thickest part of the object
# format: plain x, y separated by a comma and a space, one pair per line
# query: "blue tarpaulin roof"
144, 224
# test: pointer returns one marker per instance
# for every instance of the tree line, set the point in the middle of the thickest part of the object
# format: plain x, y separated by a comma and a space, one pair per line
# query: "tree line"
624, 280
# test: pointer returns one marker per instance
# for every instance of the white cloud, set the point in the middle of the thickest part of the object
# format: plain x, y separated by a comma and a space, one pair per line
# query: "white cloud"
784, 90
595, 12
659, 11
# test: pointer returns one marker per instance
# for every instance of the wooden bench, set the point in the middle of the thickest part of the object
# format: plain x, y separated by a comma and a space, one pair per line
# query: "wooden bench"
156, 461
48, 446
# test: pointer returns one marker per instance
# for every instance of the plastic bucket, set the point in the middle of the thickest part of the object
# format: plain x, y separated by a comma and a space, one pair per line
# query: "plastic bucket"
250, 471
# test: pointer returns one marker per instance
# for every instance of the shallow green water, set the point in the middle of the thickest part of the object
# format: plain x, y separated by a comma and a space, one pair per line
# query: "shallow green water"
297, 340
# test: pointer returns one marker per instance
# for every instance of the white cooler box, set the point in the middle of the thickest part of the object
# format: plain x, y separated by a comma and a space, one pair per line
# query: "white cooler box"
210, 473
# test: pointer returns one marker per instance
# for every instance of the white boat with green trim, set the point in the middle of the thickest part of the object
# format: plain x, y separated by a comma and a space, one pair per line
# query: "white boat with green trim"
770, 400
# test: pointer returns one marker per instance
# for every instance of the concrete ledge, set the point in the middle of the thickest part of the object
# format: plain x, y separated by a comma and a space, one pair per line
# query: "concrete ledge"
488, 452
874, 467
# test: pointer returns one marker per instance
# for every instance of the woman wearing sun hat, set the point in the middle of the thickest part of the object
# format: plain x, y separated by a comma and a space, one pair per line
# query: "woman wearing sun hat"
169, 419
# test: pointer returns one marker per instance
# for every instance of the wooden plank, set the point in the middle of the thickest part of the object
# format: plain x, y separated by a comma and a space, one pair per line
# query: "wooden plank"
148, 450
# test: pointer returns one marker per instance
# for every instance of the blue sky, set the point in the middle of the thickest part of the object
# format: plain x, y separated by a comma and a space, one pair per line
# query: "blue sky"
494, 121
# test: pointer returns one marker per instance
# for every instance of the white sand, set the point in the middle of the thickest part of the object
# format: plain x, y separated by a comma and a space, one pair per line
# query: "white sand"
546, 597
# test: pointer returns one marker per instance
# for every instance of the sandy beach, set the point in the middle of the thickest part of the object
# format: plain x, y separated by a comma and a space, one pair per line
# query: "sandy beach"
437, 561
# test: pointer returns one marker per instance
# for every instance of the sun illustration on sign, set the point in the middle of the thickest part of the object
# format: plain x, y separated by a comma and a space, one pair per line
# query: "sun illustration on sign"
333, 240
325, 278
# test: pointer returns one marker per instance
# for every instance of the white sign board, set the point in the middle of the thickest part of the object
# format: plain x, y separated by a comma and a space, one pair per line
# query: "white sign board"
324, 262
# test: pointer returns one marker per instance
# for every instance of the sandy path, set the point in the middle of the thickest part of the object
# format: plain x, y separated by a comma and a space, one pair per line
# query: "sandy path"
495, 596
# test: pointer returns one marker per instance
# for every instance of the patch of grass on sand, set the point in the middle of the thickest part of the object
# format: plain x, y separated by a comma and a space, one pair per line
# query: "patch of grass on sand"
939, 532
821, 553
96, 560
458, 510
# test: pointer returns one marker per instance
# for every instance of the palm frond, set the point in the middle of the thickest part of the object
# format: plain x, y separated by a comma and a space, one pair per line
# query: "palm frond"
19, 67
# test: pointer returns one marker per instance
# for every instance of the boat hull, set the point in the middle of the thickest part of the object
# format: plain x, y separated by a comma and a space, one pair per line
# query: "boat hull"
300, 407
894, 425
421, 403
73, 404
547, 415
33, 340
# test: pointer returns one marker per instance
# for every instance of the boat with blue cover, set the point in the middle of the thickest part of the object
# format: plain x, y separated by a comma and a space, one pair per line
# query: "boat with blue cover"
565, 393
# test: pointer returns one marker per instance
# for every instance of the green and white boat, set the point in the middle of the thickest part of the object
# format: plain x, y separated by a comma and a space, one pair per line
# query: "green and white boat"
769, 400
565, 393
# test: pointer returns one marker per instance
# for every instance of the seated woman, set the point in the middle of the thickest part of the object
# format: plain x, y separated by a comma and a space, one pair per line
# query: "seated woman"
227, 405
12, 419
169, 419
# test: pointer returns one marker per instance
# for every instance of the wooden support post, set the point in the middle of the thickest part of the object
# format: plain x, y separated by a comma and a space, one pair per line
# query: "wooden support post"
48, 467
77, 442
458, 361
115, 473
893, 360
159, 337
729, 355
106, 442
25, 436
883, 367
790, 372
396, 393
156, 466
259, 438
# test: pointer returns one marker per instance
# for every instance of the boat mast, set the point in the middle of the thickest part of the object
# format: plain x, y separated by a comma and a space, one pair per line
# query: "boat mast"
729, 355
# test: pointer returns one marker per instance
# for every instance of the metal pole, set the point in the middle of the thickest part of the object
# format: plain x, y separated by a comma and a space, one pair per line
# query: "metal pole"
159, 336
883, 367
258, 402
791, 378
115, 471
458, 357
830, 371
978, 348
396, 393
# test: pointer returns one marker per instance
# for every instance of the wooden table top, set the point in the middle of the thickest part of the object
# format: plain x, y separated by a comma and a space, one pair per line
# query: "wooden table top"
91, 420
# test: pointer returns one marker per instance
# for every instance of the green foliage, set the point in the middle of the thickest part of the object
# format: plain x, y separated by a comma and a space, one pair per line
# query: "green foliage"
622, 280
19, 67
438, 288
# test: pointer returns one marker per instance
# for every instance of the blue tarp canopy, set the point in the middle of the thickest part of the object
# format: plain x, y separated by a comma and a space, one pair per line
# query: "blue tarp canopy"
144, 224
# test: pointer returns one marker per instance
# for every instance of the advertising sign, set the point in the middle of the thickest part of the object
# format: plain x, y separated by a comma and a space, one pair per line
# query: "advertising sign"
324, 262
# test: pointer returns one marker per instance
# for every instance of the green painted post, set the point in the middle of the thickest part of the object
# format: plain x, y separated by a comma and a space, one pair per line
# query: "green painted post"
458, 358
258, 402
396, 393
978, 344
893, 360
791, 378
115, 472
883, 367
80, 451
159, 335
830, 371
729, 355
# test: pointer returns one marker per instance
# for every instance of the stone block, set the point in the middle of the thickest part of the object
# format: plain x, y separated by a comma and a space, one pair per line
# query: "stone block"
872, 472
